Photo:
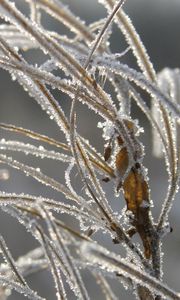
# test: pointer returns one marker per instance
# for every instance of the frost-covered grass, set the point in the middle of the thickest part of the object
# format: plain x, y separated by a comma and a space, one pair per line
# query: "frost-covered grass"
86, 67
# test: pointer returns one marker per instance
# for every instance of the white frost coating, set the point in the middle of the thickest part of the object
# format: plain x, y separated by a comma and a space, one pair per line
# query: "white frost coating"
35, 73
48, 181
19, 288
49, 65
140, 80
84, 203
35, 229
33, 150
108, 129
165, 230
169, 83
46, 43
30, 200
114, 263
66, 86
145, 204
9, 259
67, 176
67, 55
157, 146
15, 38
74, 278
42, 97
26, 75
63, 14
133, 39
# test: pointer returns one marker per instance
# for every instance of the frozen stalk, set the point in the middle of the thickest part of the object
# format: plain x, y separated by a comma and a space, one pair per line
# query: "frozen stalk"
112, 263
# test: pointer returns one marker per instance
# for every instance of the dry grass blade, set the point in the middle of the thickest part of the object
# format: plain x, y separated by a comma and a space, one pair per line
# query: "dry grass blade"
114, 264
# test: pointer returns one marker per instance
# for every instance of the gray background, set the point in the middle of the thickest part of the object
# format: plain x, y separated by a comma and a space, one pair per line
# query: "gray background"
158, 23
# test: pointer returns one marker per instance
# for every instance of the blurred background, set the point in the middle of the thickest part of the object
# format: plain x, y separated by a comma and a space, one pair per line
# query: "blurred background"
158, 24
